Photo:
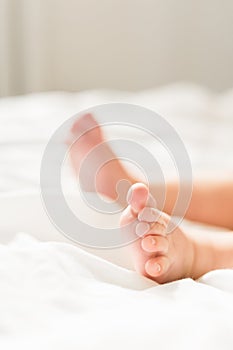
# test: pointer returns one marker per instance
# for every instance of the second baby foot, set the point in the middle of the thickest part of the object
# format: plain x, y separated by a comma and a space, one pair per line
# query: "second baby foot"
156, 255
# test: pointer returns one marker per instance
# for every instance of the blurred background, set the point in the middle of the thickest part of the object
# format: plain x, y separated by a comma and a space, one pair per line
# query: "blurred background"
75, 45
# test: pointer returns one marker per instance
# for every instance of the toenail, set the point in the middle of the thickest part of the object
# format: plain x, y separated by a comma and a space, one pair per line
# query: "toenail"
153, 241
129, 195
142, 228
149, 214
157, 267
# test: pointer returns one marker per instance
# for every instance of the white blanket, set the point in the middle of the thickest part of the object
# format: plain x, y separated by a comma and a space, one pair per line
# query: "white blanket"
54, 295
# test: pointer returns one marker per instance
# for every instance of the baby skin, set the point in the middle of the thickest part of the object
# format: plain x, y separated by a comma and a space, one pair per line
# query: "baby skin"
157, 254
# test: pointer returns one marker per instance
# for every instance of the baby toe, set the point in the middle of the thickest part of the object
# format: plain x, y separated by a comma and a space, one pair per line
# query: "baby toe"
153, 215
142, 228
149, 214
156, 267
137, 196
154, 244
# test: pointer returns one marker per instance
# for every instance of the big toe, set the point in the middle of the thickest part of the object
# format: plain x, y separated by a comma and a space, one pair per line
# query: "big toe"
137, 196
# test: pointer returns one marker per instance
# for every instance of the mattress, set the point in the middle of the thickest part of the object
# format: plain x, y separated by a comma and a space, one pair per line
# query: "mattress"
56, 294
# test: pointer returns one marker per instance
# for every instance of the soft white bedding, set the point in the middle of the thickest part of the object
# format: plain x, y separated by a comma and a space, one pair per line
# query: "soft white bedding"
55, 295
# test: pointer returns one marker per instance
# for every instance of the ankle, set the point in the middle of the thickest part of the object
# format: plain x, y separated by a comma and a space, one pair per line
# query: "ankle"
203, 255
191, 263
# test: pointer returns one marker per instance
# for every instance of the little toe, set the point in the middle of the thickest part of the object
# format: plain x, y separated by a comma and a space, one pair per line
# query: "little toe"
156, 267
155, 244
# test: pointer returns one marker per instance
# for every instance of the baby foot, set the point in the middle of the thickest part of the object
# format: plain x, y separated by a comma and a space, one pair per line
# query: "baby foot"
102, 171
156, 255
160, 256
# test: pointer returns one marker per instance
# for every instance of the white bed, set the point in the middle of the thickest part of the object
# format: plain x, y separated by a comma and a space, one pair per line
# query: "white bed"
55, 295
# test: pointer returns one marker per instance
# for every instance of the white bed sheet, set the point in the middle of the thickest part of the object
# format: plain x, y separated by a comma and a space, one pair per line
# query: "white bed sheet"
55, 295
